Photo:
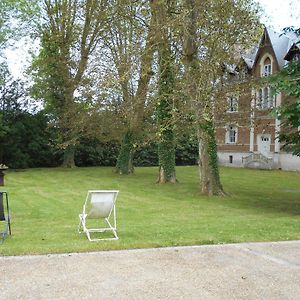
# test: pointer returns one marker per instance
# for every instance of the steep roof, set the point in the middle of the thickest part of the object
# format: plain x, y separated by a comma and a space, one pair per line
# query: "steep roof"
280, 43
249, 57
294, 48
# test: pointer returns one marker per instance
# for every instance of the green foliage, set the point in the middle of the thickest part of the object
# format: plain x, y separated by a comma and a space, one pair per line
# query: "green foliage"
164, 109
186, 152
124, 162
91, 152
146, 156
69, 32
27, 141
15, 17
24, 136
208, 128
290, 120
48, 82
288, 82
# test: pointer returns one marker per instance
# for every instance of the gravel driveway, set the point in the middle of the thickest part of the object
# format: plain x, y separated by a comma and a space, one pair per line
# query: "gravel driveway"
237, 271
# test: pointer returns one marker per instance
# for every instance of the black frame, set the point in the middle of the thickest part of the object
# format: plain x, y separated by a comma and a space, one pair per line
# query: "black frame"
7, 229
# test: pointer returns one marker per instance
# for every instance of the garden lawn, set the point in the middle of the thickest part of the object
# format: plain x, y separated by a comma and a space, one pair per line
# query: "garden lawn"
45, 203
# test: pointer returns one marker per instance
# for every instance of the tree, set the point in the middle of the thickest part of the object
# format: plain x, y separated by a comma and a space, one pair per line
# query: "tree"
10, 93
70, 32
24, 135
15, 15
213, 31
288, 82
166, 85
130, 40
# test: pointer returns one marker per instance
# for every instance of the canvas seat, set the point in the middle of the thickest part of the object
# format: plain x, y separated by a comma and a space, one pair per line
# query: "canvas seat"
4, 216
99, 205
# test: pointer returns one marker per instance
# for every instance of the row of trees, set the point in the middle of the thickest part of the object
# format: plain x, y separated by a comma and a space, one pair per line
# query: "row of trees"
138, 72
28, 140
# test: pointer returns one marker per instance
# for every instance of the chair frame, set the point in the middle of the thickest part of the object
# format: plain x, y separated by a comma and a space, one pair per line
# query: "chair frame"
7, 230
82, 226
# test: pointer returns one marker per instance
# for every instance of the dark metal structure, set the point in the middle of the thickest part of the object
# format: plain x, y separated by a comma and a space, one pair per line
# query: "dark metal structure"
4, 215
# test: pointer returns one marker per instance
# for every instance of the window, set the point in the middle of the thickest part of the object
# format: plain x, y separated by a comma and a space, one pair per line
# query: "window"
265, 138
231, 134
232, 103
267, 67
296, 56
264, 98
267, 70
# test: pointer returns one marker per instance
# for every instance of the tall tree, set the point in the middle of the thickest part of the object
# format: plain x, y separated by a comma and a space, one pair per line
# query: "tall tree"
14, 120
214, 31
70, 31
130, 41
166, 85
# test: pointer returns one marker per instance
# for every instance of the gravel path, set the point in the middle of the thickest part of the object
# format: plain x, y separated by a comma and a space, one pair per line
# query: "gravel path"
238, 271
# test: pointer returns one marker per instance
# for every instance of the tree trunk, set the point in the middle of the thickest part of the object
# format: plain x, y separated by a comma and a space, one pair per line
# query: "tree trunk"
1, 154
166, 156
210, 183
202, 108
124, 161
166, 84
69, 154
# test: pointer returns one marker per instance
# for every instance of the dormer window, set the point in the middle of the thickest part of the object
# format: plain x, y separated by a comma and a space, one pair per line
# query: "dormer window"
267, 67
267, 70
296, 56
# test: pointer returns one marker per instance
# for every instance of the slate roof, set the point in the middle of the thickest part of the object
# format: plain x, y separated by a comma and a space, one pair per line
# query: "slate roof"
249, 57
281, 44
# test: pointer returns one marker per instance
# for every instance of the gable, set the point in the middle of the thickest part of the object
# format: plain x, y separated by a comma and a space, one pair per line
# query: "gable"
265, 50
294, 50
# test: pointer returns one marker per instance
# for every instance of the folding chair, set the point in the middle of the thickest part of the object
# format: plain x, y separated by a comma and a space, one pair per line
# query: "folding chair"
4, 216
99, 205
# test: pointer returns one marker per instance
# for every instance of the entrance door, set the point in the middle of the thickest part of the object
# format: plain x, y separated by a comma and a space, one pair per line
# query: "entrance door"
264, 143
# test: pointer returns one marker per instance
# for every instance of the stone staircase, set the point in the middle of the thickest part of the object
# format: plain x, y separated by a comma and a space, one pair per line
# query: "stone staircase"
258, 161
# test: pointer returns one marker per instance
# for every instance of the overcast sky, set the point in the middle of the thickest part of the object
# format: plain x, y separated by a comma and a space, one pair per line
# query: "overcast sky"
278, 14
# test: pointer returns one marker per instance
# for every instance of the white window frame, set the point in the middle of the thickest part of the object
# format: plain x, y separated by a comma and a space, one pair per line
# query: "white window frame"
230, 129
267, 70
231, 106
264, 98
263, 66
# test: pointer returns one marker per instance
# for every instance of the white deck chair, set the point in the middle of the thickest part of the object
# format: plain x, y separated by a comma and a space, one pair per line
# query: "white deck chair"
101, 205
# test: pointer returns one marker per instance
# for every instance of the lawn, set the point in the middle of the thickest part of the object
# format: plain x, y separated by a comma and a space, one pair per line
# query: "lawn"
45, 203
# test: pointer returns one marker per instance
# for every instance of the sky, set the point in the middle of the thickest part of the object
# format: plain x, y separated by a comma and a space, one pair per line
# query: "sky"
278, 14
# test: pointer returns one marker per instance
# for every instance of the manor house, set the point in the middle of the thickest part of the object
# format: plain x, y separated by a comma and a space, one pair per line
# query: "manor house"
247, 134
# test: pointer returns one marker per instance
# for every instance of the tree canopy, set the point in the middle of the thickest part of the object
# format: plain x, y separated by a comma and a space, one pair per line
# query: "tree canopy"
288, 82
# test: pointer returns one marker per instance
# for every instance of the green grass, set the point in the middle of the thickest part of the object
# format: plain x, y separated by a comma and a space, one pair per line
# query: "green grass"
45, 203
